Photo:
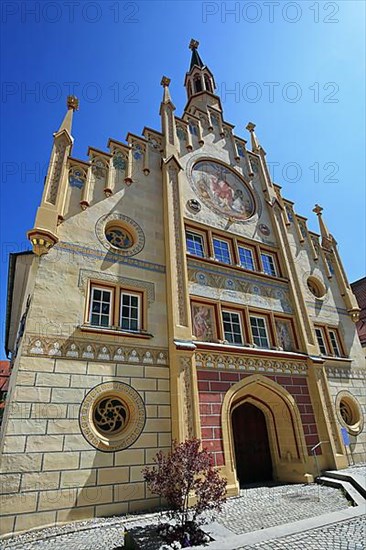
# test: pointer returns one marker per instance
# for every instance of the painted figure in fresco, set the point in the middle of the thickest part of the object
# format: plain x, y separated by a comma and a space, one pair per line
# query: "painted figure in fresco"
202, 323
284, 336
223, 189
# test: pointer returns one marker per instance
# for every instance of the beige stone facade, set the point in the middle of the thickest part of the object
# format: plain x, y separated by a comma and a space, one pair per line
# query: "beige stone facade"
172, 292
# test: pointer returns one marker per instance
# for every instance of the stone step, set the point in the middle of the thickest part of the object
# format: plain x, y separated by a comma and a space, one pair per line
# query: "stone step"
357, 480
351, 492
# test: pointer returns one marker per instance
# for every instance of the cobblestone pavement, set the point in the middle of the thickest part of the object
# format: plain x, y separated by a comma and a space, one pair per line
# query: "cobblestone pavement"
255, 508
262, 507
346, 535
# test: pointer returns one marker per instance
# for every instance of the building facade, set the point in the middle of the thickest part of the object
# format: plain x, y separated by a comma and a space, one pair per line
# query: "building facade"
172, 292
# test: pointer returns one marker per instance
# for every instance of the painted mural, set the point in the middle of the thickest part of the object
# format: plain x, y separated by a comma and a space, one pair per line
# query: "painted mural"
285, 334
203, 321
222, 190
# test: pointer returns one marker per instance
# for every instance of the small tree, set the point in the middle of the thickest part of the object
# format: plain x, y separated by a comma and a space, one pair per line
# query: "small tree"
187, 475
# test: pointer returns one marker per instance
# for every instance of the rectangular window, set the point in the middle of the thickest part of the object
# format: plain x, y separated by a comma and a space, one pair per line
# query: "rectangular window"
195, 244
246, 258
222, 251
100, 307
333, 336
321, 341
232, 327
259, 331
269, 264
130, 318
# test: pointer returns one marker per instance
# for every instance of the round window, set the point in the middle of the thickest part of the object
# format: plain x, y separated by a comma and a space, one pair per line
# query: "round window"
349, 412
112, 416
119, 237
316, 287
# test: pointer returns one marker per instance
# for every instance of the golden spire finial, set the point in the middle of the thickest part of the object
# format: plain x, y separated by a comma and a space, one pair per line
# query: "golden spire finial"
72, 102
318, 210
165, 81
193, 45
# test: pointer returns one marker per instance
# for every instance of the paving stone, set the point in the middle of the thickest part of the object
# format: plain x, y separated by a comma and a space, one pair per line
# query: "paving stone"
255, 508
346, 535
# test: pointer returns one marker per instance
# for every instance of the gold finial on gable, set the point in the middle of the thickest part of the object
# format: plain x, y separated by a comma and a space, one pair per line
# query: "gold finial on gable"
318, 209
72, 102
165, 81
193, 45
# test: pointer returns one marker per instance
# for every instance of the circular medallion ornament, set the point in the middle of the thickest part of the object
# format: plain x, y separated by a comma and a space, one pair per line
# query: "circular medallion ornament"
264, 229
222, 190
120, 234
112, 416
194, 206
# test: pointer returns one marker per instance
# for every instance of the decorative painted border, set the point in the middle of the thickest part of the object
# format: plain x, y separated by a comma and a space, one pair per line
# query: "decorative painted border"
85, 275
131, 224
110, 257
135, 424
200, 274
345, 373
248, 363
87, 350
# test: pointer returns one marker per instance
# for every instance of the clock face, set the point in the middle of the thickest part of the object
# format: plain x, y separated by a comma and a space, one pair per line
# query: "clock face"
222, 190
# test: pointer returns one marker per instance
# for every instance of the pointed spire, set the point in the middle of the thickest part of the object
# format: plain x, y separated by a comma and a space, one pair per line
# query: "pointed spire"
165, 81
327, 239
253, 138
195, 59
72, 105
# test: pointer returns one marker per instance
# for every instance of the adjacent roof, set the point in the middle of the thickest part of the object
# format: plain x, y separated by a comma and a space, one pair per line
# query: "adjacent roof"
4, 377
359, 289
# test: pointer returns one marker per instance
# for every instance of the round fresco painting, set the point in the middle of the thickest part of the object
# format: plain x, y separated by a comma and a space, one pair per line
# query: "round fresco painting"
222, 190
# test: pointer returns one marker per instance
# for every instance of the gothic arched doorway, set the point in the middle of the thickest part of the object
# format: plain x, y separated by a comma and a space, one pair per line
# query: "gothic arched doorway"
252, 449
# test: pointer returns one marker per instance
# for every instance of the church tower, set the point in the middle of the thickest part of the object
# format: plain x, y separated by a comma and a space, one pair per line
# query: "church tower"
172, 291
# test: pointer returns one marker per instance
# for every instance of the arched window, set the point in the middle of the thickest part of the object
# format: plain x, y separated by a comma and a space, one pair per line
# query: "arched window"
197, 83
208, 85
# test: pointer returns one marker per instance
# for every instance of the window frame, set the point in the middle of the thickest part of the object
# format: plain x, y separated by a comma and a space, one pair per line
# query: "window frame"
253, 255
202, 236
116, 291
338, 342
239, 313
255, 315
324, 339
273, 256
101, 288
228, 243
126, 292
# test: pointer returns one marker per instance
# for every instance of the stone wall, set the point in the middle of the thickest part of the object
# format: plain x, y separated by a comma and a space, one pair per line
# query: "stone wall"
50, 473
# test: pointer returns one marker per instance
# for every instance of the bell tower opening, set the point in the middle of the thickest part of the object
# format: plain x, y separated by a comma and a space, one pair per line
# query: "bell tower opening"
251, 443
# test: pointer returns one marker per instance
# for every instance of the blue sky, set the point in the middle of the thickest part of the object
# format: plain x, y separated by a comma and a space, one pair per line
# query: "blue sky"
296, 69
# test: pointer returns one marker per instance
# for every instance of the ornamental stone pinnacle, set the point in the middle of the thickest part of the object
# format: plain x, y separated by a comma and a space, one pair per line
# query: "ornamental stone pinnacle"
193, 45
72, 102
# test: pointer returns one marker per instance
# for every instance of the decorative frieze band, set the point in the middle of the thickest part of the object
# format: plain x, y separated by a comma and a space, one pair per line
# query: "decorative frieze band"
93, 351
346, 373
249, 363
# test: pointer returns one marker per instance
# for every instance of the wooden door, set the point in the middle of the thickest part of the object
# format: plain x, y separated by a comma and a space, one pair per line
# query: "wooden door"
252, 451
